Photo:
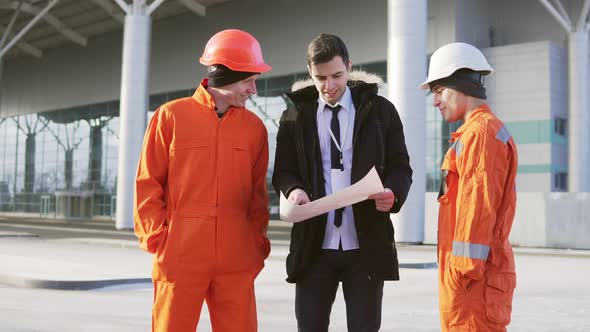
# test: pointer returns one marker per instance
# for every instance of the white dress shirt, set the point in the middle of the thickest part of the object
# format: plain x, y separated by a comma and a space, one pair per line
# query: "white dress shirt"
347, 231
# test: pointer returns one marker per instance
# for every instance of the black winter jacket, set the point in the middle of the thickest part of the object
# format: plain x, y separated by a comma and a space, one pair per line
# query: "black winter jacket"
378, 140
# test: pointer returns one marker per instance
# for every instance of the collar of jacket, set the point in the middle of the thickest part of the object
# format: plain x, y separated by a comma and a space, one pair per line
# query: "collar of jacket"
361, 93
478, 112
203, 97
359, 90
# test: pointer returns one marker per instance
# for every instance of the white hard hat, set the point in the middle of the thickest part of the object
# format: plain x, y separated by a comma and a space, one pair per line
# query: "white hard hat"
452, 57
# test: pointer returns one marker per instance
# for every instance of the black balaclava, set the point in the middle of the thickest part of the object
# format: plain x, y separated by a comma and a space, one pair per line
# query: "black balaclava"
464, 80
220, 75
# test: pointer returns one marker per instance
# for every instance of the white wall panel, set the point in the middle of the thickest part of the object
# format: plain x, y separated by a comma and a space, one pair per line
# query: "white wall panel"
520, 88
539, 154
553, 220
533, 182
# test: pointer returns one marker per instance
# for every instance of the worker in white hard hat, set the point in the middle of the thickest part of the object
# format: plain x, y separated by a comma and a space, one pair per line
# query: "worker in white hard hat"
477, 197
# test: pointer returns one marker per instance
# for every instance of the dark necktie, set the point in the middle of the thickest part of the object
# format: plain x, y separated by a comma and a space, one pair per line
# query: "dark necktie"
335, 154
335, 127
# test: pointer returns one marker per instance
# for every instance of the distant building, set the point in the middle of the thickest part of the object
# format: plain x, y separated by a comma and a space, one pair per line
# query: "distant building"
61, 130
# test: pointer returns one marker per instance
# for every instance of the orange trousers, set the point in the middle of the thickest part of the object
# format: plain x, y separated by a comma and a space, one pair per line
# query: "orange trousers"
468, 313
230, 300
478, 306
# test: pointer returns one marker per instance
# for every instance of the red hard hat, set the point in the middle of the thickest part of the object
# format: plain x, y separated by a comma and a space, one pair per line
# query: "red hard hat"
235, 49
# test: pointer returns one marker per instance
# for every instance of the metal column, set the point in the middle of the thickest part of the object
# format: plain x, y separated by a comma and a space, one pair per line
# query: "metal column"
579, 85
406, 69
134, 103
579, 113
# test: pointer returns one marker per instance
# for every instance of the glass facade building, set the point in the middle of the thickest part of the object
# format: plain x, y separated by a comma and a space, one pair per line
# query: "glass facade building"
63, 163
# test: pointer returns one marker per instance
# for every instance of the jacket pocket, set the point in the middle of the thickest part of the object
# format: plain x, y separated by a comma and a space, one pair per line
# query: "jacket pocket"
161, 241
241, 155
381, 231
457, 281
381, 260
498, 296
241, 173
190, 166
195, 144
389, 228
290, 264
191, 240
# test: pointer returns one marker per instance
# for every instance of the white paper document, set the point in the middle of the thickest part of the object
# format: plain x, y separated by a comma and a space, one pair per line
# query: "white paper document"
358, 192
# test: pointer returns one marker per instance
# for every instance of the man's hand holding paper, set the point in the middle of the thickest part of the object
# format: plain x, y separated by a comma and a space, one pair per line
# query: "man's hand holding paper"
383, 200
298, 197
360, 191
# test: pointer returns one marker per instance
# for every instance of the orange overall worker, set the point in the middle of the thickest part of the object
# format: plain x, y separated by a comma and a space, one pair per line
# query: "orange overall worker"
201, 202
477, 197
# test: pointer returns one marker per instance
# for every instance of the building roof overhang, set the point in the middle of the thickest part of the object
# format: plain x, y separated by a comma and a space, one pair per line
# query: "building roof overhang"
74, 21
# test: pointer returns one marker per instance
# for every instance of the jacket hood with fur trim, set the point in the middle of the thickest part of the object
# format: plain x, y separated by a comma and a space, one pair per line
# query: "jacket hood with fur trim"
354, 75
359, 82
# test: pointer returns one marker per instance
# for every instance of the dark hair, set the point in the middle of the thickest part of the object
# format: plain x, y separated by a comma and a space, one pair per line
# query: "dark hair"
465, 80
324, 48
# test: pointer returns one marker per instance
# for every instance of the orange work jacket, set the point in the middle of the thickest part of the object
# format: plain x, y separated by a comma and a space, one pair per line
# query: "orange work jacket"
477, 206
201, 202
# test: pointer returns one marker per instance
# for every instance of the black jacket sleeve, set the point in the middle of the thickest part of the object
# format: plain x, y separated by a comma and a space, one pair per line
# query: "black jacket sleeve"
286, 175
398, 173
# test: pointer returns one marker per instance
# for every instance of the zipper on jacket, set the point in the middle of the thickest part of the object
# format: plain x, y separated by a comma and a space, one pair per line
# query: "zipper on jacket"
217, 153
307, 181
217, 136
314, 151
381, 147
219, 124
314, 163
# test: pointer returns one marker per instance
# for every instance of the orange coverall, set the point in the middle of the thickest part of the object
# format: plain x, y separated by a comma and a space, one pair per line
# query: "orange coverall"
477, 204
201, 207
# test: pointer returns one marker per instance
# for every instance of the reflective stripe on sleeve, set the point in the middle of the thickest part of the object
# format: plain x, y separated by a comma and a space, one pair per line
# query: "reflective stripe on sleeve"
470, 250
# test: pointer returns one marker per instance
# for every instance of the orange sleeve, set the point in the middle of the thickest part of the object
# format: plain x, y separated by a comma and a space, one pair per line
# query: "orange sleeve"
258, 212
479, 193
150, 183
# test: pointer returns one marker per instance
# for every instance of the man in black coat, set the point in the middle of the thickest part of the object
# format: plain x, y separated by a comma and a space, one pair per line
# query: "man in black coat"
329, 138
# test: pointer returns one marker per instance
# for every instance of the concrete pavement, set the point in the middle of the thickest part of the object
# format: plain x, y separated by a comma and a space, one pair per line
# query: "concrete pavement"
88, 282
80, 263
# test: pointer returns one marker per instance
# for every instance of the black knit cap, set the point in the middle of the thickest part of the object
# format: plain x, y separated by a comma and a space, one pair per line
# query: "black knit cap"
220, 75
464, 80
